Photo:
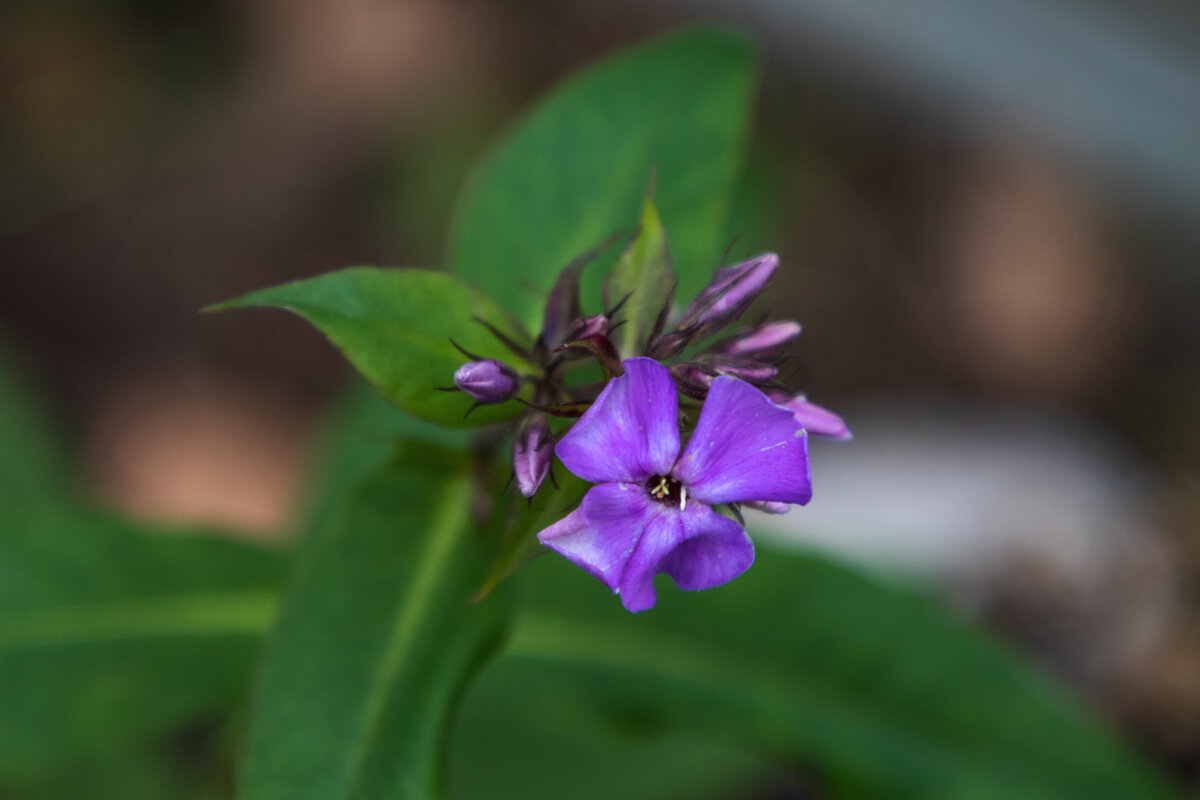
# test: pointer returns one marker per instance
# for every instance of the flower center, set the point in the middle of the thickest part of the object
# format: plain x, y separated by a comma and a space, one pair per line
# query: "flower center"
667, 491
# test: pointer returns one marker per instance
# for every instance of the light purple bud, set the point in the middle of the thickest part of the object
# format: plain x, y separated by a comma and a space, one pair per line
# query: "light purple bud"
769, 506
817, 420
732, 286
751, 372
533, 450
586, 327
690, 372
488, 380
762, 338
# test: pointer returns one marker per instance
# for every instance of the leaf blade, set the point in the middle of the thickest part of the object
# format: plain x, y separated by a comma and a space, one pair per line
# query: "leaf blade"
395, 327
573, 170
873, 689
111, 633
644, 279
356, 694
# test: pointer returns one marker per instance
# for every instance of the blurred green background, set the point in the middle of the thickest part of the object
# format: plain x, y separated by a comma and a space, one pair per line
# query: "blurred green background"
987, 218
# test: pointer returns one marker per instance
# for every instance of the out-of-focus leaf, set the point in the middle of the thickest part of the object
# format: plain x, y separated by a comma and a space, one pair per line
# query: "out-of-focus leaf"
109, 634
522, 522
573, 171
643, 278
139, 773
361, 435
395, 327
376, 640
874, 691
31, 469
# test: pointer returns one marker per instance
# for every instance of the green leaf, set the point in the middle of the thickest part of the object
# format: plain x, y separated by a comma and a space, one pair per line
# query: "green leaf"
573, 171
873, 690
523, 520
109, 634
31, 470
643, 278
395, 327
361, 434
376, 640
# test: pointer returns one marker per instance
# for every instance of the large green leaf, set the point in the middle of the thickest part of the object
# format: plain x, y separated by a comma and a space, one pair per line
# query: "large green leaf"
574, 170
109, 634
377, 638
873, 691
395, 327
360, 435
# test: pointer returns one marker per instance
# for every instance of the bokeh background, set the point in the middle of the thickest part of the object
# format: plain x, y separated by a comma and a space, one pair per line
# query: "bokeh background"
988, 216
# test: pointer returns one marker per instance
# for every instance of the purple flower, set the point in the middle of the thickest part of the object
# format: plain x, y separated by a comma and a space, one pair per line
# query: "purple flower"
815, 419
652, 510
486, 380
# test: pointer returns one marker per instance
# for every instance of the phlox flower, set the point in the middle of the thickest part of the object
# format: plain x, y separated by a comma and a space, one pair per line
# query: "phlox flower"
651, 511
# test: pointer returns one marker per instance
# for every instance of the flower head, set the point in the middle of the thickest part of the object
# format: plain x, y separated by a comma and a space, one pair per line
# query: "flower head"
651, 511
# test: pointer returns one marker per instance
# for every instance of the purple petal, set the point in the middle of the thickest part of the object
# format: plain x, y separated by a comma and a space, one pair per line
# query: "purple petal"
696, 546
817, 420
630, 433
602, 534
745, 448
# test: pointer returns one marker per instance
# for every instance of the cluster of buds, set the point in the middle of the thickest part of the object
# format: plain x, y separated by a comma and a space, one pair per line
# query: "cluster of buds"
686, 343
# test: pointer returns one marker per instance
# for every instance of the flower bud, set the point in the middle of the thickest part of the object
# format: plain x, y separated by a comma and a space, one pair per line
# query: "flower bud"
743, 368
732, 289
768, 506
817, 420
587, 327
486, 380
533, 450
764, 337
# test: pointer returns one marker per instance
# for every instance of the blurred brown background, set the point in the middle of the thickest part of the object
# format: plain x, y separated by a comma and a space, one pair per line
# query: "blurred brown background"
989, 220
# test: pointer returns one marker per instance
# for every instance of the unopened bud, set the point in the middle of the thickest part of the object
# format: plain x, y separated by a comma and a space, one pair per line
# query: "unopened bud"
764, 337
817, 420
587, 327
532, 453
743, 368
769, 506
732, 288
486, 380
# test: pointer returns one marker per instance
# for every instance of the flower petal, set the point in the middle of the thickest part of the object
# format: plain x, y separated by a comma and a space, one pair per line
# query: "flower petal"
602, 534
630, 433
745, 448
715, 551
696, 546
